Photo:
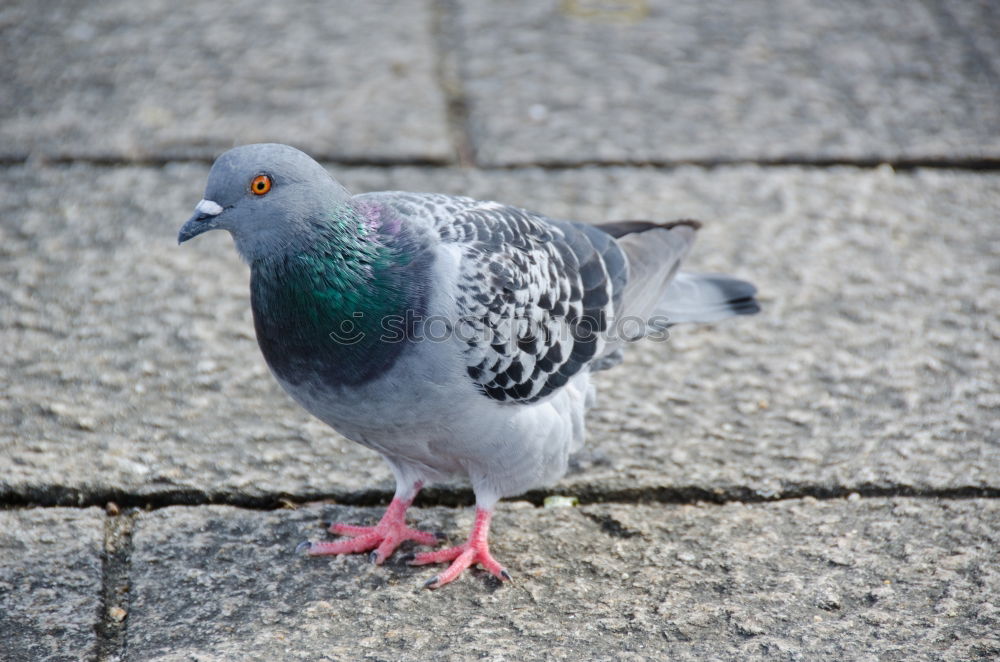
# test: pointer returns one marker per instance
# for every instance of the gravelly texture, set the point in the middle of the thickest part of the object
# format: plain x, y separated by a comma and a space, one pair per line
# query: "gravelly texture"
129, 370
720, 80
50, 584
133, 364
150, 80
865, 579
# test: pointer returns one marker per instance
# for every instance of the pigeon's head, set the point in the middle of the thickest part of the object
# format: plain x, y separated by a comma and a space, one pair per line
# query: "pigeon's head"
265, 195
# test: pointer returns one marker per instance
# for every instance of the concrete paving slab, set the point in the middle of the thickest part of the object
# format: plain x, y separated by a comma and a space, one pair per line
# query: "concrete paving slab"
858, 579
120, 80
50, 583
133, 370
640, 81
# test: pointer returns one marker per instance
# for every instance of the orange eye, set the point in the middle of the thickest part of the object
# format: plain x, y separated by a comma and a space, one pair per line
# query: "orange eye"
260, 185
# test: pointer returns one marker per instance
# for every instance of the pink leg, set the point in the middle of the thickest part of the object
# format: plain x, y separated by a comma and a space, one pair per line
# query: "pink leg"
383, 538
475, 550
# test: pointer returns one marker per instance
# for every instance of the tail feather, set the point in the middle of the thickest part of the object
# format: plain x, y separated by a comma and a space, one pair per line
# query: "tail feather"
659, 292
654, 253
704, 298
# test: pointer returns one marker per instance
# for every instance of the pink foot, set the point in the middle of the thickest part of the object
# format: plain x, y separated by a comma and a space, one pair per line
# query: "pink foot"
382, 539
475, 550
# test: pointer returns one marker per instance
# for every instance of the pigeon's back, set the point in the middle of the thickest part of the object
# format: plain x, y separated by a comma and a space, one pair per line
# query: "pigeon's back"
541, 299
535, 298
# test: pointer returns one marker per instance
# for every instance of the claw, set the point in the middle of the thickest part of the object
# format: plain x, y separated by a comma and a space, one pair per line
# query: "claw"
474, 551
406, 558
379, 541
303, 546
440, 536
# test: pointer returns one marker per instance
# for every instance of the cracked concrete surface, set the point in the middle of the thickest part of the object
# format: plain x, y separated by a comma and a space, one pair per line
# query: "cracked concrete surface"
816, 483
597, 582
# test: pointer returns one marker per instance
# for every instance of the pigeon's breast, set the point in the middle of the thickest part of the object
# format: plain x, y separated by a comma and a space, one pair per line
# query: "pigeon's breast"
423, 386
335, 322
397, 375
338, 354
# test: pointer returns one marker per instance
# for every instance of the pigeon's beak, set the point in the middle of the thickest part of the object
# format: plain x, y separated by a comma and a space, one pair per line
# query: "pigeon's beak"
204, 219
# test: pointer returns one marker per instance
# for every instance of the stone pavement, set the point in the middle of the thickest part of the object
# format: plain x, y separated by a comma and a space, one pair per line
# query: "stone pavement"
820, 482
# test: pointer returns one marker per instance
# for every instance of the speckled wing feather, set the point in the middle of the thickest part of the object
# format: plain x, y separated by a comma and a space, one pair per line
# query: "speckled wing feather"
535, 295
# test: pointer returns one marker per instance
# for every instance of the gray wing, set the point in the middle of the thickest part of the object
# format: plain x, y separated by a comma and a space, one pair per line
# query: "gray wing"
535, 295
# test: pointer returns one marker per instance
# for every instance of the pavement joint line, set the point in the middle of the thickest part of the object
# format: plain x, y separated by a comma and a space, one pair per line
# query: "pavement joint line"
942, 163
8, 160
116, 565
461, 498
973, 164
446, 33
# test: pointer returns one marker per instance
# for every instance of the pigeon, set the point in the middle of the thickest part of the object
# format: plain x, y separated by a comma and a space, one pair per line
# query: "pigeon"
451, 335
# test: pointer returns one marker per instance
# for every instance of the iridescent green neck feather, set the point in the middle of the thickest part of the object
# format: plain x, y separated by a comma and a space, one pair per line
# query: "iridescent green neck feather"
327, 310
